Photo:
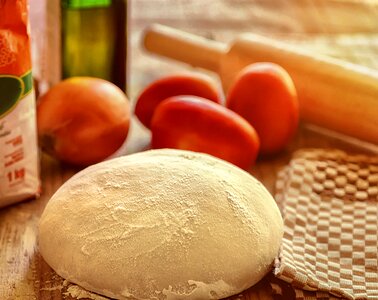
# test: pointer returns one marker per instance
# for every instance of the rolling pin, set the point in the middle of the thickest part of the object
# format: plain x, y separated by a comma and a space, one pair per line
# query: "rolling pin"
332, 93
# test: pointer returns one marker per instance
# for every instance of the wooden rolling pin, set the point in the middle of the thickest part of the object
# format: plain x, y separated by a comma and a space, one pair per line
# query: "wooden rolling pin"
332, 93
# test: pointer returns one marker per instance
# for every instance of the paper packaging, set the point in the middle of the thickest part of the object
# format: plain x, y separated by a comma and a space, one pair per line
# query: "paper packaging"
19, 165
44, 16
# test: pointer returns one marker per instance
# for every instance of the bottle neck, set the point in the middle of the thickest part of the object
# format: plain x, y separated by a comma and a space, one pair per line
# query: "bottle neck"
77, 4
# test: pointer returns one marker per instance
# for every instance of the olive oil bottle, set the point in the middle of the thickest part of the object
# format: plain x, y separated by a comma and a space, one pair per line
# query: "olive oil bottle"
94, 39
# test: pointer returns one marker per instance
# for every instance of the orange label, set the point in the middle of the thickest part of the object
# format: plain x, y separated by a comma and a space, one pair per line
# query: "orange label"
15, 58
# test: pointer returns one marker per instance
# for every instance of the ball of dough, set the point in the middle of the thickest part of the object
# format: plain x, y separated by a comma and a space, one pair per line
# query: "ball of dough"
161, 224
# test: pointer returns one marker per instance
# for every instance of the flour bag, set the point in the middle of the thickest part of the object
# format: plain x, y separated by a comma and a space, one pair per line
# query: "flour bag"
19, 165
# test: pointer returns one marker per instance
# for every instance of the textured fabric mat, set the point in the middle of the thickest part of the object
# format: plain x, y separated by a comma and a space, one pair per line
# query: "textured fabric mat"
329, 201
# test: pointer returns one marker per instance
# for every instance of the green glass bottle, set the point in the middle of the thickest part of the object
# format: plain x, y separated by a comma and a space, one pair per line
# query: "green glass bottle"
94, 39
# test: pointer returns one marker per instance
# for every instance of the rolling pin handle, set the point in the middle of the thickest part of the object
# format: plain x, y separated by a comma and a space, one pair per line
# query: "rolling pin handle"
188, 48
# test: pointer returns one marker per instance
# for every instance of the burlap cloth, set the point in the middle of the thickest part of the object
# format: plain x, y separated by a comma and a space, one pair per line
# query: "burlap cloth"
329, 201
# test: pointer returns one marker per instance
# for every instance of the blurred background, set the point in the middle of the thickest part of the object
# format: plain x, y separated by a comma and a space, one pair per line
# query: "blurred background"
345, 29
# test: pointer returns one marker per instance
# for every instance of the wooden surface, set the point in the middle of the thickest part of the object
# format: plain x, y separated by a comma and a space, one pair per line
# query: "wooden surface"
340, 28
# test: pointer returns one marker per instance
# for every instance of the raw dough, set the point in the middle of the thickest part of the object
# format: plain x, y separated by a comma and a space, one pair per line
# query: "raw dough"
161, 224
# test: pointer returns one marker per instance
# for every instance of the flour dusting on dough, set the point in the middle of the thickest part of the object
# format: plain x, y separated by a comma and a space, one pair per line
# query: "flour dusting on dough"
77, 292
161, 225
201, 291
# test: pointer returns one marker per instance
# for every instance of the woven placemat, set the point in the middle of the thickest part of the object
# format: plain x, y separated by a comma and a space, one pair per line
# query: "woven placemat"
329, 201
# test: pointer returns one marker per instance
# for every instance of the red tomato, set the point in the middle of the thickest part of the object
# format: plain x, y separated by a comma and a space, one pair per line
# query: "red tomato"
196, 124
264, 94
173, 85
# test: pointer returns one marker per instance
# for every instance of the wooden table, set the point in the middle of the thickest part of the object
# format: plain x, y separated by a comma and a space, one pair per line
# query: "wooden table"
341, 28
